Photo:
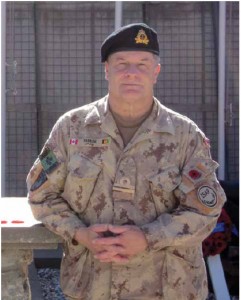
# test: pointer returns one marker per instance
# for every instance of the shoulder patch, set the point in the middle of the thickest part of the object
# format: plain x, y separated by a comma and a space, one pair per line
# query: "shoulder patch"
207, 196
39, 181
48, 160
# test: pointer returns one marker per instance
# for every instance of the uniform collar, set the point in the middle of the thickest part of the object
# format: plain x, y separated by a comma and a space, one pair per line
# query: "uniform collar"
100, 115
158, 121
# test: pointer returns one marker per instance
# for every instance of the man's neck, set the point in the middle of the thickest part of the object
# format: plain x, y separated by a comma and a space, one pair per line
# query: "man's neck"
130, 114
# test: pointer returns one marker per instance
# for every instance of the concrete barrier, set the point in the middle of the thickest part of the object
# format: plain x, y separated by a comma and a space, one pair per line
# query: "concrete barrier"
20, 235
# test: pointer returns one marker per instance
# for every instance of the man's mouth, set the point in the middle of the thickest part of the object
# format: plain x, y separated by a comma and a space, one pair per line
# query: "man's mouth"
131, 84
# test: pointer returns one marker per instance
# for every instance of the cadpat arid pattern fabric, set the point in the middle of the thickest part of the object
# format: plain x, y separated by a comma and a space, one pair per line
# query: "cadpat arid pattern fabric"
163, 181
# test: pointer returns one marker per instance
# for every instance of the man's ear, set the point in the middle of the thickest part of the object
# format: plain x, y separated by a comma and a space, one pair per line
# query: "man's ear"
157, 72
106, 70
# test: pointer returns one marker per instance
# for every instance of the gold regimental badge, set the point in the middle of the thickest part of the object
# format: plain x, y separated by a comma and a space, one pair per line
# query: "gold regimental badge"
141, 38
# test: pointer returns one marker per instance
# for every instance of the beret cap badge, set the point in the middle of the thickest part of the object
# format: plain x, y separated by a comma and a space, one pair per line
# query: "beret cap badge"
141, 37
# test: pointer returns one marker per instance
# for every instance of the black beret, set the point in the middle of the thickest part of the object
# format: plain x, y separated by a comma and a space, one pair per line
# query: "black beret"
133, 37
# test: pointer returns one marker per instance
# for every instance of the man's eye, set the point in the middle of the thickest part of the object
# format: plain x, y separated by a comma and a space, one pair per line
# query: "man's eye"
121, 66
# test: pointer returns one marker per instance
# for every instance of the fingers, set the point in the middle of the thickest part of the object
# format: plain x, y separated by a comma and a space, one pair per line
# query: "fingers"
108, 227
112, 254
118, 229
98, 228
102, 228
113, 243
107, 241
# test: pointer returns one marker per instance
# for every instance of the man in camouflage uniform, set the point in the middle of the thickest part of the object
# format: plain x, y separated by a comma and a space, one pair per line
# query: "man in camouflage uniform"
129, 185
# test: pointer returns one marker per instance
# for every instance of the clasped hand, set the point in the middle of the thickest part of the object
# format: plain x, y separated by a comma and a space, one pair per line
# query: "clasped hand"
123, 242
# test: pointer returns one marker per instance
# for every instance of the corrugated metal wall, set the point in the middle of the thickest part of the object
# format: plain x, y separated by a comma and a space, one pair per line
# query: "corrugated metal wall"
57, 49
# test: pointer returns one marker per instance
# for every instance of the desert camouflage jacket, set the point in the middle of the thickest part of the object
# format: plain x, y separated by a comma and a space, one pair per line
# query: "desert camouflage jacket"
163, 181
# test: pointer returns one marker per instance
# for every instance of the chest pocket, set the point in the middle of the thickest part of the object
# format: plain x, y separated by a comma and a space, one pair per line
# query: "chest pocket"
80, 182
162, 186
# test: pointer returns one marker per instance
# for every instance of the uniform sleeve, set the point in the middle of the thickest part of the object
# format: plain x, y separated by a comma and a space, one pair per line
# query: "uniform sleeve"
199, 196
45, 183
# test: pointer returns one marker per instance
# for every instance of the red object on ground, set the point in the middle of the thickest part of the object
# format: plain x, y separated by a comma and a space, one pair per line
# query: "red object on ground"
17, 222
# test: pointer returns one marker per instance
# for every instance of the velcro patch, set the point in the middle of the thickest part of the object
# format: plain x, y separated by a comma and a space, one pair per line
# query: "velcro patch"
207, 196
102, 142
39, 181
48, 160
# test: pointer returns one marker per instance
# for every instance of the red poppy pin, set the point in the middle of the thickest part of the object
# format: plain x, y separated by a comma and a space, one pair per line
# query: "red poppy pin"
194, 174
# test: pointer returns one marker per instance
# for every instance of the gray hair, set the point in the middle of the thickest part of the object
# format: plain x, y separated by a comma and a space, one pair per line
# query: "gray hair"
157, 58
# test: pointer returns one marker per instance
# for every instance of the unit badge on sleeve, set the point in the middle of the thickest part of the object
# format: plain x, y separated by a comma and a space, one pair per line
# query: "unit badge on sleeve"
207, 196
48, 160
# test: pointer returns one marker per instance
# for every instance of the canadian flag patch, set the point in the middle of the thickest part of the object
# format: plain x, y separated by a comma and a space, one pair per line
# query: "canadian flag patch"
73, 141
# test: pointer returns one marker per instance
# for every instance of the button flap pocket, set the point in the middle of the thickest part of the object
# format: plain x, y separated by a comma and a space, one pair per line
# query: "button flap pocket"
168, 179
83, 167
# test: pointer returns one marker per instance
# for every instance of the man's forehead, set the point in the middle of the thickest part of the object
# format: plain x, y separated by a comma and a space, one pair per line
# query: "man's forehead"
135, 55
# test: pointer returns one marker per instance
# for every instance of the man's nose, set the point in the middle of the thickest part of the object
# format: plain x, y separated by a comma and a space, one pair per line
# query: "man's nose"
132, 70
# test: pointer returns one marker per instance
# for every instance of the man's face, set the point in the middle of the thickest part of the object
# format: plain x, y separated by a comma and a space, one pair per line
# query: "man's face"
131, 75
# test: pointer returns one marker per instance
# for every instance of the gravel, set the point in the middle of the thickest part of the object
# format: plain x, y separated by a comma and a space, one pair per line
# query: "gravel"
49, 282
